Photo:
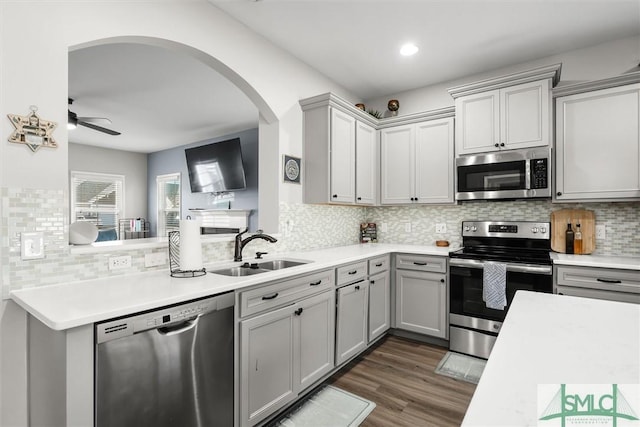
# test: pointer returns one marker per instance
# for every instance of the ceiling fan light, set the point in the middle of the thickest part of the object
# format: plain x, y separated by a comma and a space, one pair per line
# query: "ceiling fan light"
72, 121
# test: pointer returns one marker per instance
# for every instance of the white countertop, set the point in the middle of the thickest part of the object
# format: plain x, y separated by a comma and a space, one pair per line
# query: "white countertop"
554, 339
69, 305
601, 261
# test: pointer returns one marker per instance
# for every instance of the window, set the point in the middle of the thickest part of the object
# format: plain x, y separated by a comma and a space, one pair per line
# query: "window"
98, 198
168, 203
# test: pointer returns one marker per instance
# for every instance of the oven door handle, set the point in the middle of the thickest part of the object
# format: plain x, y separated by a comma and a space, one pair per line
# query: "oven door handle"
516, 268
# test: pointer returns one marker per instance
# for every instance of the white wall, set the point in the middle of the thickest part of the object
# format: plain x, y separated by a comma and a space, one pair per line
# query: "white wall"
87, 158
592, 63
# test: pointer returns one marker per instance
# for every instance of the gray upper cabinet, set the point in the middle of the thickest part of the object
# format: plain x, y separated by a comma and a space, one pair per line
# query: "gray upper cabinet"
340, 153
417, 163
598, 141
508, 112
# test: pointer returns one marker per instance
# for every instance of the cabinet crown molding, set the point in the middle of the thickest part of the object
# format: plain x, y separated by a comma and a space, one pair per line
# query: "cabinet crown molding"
624, 79
547, 72
332, 100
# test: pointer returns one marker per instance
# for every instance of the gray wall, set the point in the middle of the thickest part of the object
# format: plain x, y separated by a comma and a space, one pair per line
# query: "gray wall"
173, 160
87, 158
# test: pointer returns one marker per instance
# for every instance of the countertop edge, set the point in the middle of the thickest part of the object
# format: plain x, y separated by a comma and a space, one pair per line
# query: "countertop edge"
28, 298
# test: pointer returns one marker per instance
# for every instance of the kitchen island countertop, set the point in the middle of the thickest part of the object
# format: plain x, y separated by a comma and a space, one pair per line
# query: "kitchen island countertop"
68, 305
554, 339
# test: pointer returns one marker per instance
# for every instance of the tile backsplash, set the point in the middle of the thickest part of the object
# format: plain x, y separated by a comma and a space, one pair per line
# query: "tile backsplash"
302, 227
622, 221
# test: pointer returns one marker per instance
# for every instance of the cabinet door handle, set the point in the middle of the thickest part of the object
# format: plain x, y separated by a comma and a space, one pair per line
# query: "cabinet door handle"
335, 196
560, 293
315, 283
299, 311
357, 288
353, 272
270, 297
372, 282
379, 265
559, 193
441, 280
502, 144
419, 263
496, 145
359, 198
608, 280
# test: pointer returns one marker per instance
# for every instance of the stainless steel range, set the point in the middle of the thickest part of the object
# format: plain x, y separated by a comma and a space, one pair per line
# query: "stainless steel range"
523, 248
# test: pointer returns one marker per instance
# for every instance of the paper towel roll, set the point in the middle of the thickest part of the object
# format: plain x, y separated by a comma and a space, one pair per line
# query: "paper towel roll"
190, 245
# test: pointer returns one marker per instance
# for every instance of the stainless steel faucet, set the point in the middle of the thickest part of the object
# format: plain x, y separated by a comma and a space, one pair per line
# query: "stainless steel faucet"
241, 243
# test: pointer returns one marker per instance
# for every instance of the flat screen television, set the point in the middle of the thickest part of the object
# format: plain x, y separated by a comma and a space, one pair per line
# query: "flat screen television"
216, 168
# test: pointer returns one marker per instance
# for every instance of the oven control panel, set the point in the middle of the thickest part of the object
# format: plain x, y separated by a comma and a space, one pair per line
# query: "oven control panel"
519, 229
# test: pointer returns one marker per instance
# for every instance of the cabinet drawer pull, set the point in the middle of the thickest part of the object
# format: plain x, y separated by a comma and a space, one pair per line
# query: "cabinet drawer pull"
357, 288
353, 272
270, 297
379, 265
608, 280
315, 283
419, 263
298, 312
372, 282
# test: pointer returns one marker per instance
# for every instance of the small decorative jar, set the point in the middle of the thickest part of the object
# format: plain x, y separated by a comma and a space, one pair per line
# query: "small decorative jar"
360, 106
393, 106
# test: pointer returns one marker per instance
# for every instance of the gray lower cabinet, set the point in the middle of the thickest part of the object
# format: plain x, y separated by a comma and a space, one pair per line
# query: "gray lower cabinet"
351, 327
421, 295
599, 283
379, 305
282, 352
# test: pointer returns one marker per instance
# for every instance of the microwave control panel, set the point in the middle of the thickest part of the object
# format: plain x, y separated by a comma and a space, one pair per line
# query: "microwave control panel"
539, 173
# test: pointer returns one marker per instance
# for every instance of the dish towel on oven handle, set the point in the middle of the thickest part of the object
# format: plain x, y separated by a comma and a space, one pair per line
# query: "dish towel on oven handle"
494, 284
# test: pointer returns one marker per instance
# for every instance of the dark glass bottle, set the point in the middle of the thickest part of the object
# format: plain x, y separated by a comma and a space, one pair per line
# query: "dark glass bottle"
569, 239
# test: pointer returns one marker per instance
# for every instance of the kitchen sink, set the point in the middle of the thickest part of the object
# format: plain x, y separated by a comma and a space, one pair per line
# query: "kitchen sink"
240, 271
278, 264
249, 269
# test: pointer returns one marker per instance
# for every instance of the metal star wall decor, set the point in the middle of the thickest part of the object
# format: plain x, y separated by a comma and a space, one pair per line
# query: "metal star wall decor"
32, 131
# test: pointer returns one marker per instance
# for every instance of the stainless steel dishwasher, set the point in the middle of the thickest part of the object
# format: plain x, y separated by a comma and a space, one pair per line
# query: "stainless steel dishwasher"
168, 367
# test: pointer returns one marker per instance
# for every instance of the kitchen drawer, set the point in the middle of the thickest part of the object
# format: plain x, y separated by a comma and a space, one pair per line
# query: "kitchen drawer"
351, 273
278, 294
604, 279
598, 294
379, 264
434, 264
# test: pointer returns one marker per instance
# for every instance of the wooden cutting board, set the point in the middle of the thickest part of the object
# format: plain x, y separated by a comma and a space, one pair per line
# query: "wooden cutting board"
587, 221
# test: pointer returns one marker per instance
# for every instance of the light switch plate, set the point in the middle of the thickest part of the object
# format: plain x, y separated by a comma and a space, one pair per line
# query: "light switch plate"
407, 227
32, 245
601, 231
441, 228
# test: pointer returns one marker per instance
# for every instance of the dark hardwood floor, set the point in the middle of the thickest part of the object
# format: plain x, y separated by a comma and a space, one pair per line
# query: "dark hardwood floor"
398, 375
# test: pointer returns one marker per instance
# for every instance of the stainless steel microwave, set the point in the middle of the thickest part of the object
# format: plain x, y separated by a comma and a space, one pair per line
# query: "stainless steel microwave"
514, 174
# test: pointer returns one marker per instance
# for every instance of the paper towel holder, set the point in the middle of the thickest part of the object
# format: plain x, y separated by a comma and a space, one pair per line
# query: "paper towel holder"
174, 258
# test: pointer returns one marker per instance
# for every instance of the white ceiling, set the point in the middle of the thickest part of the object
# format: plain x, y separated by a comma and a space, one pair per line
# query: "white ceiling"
155, 97
159, 99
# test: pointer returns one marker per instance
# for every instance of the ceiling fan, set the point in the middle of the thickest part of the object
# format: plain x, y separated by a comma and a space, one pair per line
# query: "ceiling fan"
75, 121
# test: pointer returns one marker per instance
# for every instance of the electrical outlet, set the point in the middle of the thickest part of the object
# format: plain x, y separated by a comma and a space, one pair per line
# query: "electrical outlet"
601, 231
155, 259
441, 228
383, 227
32, 245
120, 262
407, 227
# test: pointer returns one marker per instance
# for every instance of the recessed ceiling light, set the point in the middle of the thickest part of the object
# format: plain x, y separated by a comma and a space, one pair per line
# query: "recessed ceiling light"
408, 49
